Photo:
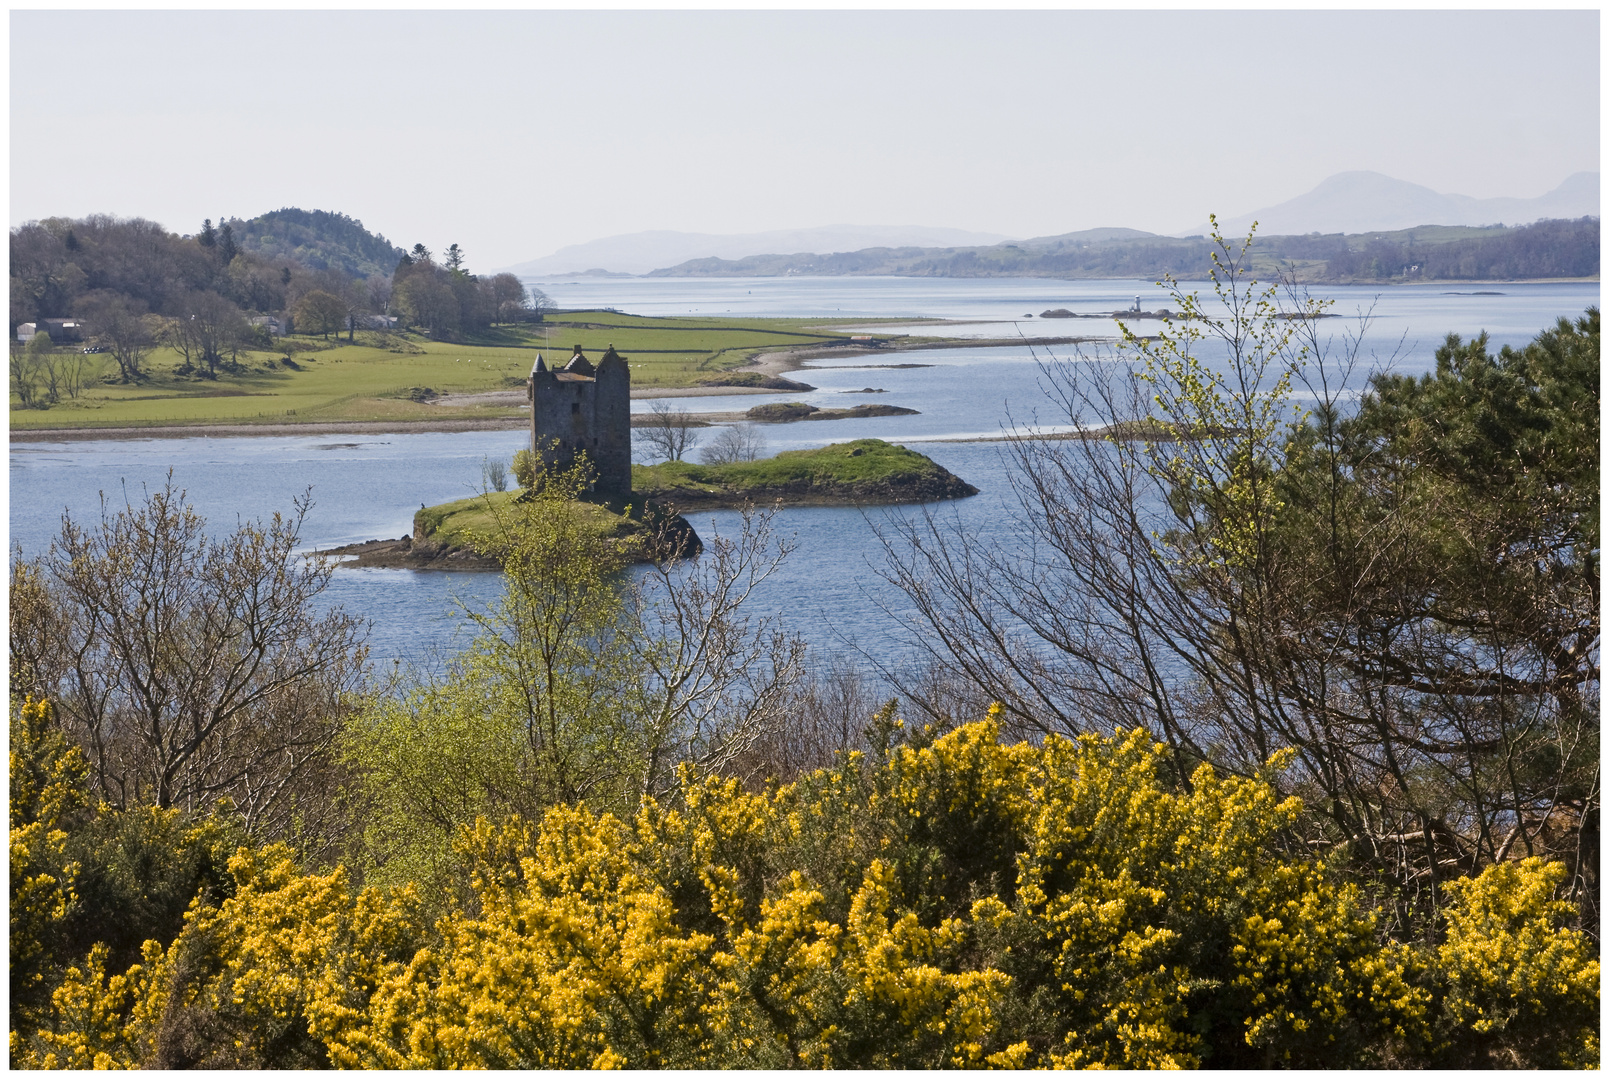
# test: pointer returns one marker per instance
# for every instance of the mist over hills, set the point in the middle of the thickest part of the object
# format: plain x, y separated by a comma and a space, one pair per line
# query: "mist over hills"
1548, 249
1347, 203
1357, 202
638, 253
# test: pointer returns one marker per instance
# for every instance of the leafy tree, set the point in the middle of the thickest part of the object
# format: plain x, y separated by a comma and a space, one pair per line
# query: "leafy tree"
509, 299
227, 250
454, 259
1460, 522
537, 711
474, 298
524, 467
288, 251
46, 278
256, 285
320, 313
579, 686
429, 302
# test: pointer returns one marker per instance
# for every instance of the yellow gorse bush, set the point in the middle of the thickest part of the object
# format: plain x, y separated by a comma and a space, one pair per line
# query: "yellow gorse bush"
952, 902
1509, 975
47, 784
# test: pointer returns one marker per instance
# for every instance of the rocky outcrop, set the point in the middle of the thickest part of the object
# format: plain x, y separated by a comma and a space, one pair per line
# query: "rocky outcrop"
786, 412
1064, 313
665, 534
406, 554
756, 380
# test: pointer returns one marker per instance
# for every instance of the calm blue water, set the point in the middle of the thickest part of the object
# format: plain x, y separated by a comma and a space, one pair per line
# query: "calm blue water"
1425, 313
369, 486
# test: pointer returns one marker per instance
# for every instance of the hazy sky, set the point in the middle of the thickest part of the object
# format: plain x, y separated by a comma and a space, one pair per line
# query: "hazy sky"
515, 133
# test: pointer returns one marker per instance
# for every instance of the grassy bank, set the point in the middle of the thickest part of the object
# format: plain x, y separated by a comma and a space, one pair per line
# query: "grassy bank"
384, 377
464, 522
863, 471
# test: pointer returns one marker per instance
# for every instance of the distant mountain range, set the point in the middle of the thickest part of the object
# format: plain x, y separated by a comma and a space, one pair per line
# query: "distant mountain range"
638, 253
1543, 250
1359, 202
1347, 203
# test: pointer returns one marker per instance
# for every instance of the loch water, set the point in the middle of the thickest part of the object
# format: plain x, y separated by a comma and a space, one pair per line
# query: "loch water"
830, 589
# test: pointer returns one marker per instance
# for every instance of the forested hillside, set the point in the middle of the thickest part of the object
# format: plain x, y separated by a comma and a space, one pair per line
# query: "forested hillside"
319, 240
133, 284
1547, 249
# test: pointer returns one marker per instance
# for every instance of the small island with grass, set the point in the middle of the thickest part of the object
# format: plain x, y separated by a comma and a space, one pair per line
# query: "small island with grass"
866, 472
861, 473
454, 535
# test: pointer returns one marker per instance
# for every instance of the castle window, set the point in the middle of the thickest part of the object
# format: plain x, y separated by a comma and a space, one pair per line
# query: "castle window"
575, 408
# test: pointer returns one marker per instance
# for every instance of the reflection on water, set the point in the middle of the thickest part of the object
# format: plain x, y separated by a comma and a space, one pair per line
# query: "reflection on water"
368, 487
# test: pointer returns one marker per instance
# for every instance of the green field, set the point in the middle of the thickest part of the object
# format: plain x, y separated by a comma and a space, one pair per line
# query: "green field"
371, 379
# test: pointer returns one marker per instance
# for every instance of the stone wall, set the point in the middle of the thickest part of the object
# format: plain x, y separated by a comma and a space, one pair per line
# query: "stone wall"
577, 410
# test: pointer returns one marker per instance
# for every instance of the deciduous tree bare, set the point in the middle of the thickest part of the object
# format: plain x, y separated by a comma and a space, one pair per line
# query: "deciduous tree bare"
378, 294
206, 328
734, 443
828, 713
669, 430
121, 328
715, 678
78, 370
34, 365
191, 669
494, 474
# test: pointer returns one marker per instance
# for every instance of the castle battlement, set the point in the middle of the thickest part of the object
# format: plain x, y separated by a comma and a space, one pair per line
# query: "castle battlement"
585, 410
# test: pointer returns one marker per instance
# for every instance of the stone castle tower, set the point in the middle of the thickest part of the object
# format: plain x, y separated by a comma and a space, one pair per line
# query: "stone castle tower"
582, 409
